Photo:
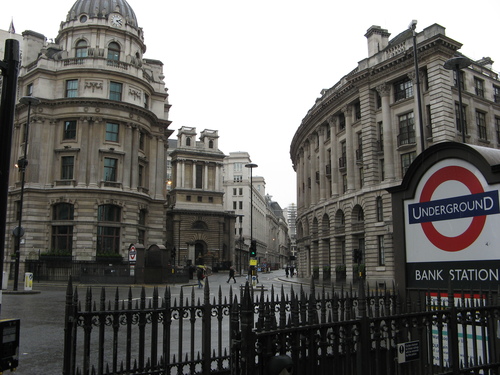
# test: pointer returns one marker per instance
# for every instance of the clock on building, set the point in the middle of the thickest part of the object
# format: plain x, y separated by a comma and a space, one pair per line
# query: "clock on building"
116, 20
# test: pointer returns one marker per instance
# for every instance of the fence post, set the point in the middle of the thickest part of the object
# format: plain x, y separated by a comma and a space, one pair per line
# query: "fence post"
247, 334
363, 350
206, 321
453, 333
69, 320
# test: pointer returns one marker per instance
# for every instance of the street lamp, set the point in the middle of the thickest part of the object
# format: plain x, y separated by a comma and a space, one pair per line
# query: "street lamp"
457, 64
251, 269
21, 165
413, 27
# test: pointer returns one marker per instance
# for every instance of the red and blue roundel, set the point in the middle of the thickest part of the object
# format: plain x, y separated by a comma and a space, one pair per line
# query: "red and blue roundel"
476, 205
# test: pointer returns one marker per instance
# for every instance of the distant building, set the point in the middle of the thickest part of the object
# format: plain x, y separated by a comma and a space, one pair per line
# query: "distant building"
362, 134
199, 229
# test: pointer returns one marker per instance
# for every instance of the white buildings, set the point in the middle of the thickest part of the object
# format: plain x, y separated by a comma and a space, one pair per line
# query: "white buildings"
361, 135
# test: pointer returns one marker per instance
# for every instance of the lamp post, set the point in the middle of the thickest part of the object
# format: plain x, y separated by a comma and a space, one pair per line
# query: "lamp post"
457, 64
413, 27
22, 163
251, 269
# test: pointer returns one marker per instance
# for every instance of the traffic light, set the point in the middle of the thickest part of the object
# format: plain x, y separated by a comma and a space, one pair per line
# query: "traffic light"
253, 248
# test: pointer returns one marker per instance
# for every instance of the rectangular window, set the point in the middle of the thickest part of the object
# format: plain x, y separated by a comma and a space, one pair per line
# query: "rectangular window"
67, 167
72, 88
241, 191
341, 121
462, 79
380, 137
235, 205
69, 130
108, 240
29, 90
115, 91
496, 94
381, 250
403, 89
199, 176
497, 128
200, 198
237, 178
110, 166
62, 238
406, 129
240, 205
141, 141
481, 125
464, 116
238, 167
406, 160
344, 183
234, 191
479, 87
141, 175
146, 101
343, 154
112, 132
357, 110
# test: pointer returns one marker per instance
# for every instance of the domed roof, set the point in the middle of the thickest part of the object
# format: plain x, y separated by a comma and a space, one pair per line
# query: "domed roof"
101, 9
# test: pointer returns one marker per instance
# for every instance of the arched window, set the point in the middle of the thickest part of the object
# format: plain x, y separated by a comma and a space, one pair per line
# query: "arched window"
114, 51
188, 141
62, 228
211, 144
108, 229
81, 48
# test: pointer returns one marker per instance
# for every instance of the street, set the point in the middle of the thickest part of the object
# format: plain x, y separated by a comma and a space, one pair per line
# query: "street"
42, 314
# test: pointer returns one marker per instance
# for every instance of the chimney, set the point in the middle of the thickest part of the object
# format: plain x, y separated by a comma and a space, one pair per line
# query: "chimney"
378, 39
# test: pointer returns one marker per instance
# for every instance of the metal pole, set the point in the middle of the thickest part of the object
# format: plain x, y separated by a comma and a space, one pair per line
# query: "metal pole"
457, 64
22, 164
413, 26
10, 71
251, 166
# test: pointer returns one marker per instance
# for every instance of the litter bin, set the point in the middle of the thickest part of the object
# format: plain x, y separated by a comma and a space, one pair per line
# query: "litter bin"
28, 281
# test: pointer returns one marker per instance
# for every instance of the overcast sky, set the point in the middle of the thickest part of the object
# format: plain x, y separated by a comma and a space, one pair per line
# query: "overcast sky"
252, 69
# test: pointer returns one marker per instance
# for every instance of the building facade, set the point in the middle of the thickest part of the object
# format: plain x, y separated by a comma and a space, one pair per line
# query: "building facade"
96, 145
199, 229
361, 135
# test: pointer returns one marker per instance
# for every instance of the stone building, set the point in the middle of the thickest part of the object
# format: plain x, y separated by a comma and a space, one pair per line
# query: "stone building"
361, 135
199, 230
95, 179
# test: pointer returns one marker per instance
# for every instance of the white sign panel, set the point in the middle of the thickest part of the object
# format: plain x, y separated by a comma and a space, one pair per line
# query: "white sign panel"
452, 226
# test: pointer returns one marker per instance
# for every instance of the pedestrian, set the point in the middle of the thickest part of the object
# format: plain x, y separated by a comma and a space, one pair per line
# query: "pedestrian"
292, 269
231, 274
200, 275
286, 271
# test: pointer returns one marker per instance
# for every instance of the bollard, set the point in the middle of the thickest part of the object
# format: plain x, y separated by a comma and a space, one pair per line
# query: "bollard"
28, 281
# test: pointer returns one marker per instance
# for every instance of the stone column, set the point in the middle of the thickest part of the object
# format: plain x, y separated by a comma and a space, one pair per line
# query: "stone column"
323, 182
134, 161
350, 152
161, 171
332, 121
384, 90
416, 112
81, 164
94, 157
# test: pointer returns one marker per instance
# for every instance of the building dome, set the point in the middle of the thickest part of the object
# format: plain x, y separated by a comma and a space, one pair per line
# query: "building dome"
102, 9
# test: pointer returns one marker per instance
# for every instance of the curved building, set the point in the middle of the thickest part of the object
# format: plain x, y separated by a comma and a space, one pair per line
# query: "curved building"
361, 135
96, 172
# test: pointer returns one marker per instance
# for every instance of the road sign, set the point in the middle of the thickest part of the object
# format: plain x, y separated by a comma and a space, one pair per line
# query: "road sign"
408, 351
132, 254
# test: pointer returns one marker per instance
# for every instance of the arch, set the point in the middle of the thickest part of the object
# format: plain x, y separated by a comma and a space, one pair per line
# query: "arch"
81, 48
339, 219
325, 226
314, 227
114, 51
199, 225
358, 214
188, 141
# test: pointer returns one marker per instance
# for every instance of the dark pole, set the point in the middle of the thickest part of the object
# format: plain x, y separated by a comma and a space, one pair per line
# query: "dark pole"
413, 26
22, 164
457, 64
10, 71
251, 166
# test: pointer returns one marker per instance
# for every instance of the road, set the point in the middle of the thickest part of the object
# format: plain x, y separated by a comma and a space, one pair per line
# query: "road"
42, 315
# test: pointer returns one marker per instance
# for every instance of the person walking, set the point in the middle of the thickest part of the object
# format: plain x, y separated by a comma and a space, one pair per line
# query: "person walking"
231, 274
286, 271
292, 270
200, 276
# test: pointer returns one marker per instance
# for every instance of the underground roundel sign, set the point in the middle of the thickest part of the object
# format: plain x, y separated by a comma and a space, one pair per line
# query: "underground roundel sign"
452, 214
